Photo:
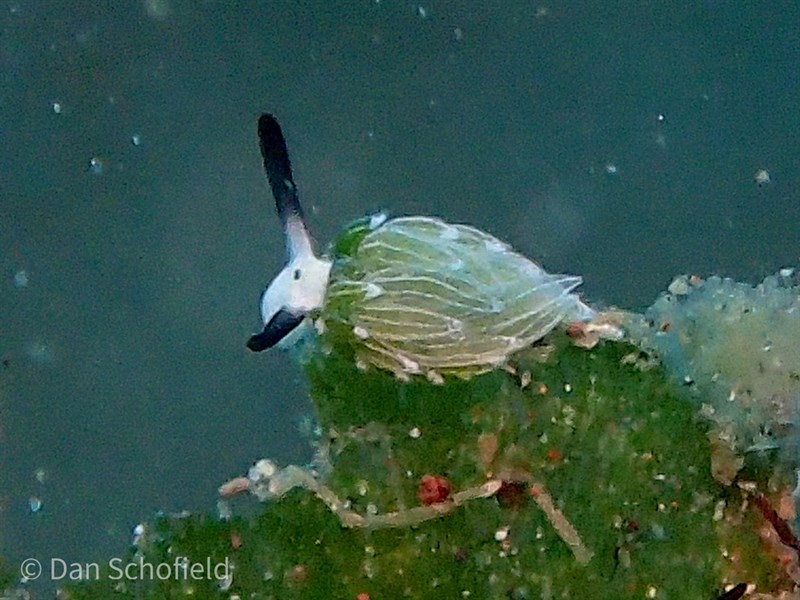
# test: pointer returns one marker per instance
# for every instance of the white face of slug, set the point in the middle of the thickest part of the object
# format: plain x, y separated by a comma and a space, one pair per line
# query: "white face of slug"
298, 288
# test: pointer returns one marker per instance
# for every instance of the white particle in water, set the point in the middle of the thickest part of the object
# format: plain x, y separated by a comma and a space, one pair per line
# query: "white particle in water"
40, 474
97, 165
224, 511
21, 278
57, 108
38, 352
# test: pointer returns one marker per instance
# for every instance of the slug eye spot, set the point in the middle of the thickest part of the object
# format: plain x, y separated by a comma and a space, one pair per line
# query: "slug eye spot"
296, 274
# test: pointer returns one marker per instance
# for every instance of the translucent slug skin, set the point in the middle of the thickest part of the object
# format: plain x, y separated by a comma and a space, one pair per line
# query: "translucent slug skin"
430, 296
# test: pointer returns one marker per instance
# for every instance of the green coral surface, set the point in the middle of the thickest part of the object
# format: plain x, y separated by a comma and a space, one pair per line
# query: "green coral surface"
624, 460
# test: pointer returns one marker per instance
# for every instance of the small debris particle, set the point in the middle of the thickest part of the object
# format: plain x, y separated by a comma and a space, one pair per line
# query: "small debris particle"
35, 504
138, 533
576, 329
57, 108
433, 489
501, 534
21, 278
554, 455
679, 286
224, 510
525, 379
414, 433
236, 540
234, 487
762, 177
362, 596
97, 165
512, 494
651, 591
297, 574
719, 510
360, 332
487, 449
786, 507
567, 387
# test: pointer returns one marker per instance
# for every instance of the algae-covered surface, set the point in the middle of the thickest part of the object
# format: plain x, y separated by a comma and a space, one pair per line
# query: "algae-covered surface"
623, 142
602, 489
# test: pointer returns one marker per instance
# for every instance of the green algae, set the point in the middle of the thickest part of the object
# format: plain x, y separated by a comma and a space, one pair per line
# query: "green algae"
624, 459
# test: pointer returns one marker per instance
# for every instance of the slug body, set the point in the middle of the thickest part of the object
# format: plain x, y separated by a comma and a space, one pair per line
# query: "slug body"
417, 295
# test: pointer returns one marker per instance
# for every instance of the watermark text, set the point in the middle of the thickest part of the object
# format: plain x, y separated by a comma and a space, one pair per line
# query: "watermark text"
118, 569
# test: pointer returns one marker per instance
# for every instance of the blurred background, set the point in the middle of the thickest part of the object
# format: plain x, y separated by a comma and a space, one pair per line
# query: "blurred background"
623, 141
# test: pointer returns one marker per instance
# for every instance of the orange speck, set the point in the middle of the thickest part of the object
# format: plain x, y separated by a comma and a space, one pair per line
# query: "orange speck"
542, 389
297, 574
576, 329
433, 489
554, 455
363, 596
535, 490
236, 540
